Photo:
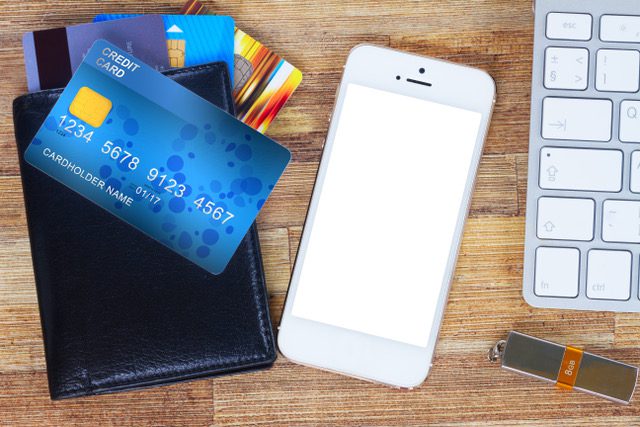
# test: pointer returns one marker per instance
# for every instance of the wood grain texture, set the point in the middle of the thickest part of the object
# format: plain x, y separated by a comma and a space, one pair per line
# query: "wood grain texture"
485, 300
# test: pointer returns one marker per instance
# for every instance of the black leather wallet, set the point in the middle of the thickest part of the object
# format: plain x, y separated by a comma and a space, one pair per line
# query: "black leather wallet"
118, 309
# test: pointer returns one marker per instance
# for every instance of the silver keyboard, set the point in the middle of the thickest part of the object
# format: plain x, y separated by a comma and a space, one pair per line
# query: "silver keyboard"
582, 244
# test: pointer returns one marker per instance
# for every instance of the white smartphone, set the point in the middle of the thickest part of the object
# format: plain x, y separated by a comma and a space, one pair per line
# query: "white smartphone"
380, 241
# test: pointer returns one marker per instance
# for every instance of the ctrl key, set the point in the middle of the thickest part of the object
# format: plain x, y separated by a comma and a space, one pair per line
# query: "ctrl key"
557, 272
609, 274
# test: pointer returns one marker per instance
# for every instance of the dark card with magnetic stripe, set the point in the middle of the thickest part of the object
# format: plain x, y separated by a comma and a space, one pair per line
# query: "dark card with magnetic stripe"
52, 56
54, 65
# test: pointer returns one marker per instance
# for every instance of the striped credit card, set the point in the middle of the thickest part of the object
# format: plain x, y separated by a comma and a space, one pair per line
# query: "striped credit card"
263, 81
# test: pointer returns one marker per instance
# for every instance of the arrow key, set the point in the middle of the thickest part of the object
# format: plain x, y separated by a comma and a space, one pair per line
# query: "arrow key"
576, 119
565, 219
583, 169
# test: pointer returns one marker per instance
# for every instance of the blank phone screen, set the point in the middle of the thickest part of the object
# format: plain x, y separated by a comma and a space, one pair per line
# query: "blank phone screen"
386, 215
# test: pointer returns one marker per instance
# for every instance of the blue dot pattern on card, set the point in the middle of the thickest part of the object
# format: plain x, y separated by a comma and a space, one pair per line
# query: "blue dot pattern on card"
164, 160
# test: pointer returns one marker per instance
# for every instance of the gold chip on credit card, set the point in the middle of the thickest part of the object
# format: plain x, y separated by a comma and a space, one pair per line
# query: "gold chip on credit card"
177, 51
89, 106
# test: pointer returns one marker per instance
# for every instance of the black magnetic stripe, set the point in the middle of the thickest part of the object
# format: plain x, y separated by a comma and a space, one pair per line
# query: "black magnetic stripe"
52, 53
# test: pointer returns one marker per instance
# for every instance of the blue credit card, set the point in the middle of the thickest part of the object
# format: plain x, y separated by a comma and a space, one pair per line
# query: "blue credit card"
194, 40
158, 156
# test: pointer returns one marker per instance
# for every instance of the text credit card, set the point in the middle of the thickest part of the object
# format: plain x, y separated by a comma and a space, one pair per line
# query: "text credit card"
158, 156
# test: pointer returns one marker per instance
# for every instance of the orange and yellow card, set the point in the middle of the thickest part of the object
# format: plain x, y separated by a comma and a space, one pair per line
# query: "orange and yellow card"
263, 81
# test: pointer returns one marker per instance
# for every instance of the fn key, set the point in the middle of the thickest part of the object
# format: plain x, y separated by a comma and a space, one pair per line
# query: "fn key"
557, 272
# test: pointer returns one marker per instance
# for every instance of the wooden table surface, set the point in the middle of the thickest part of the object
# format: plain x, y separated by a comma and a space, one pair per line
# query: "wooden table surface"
485, 300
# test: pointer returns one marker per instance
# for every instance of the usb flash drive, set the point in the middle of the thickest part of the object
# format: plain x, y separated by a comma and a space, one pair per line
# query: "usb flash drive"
568, 367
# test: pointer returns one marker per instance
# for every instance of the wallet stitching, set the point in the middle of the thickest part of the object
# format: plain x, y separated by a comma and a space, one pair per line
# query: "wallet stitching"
258, 295
179, 375
150, 380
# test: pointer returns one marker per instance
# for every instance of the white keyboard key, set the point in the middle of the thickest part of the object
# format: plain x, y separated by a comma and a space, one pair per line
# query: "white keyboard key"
565, 219
566, 68
576, 119
620, 28
557, 272
635, 172
582, 169
630, 121
617, 70
568, 26
609, 274
621, 221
